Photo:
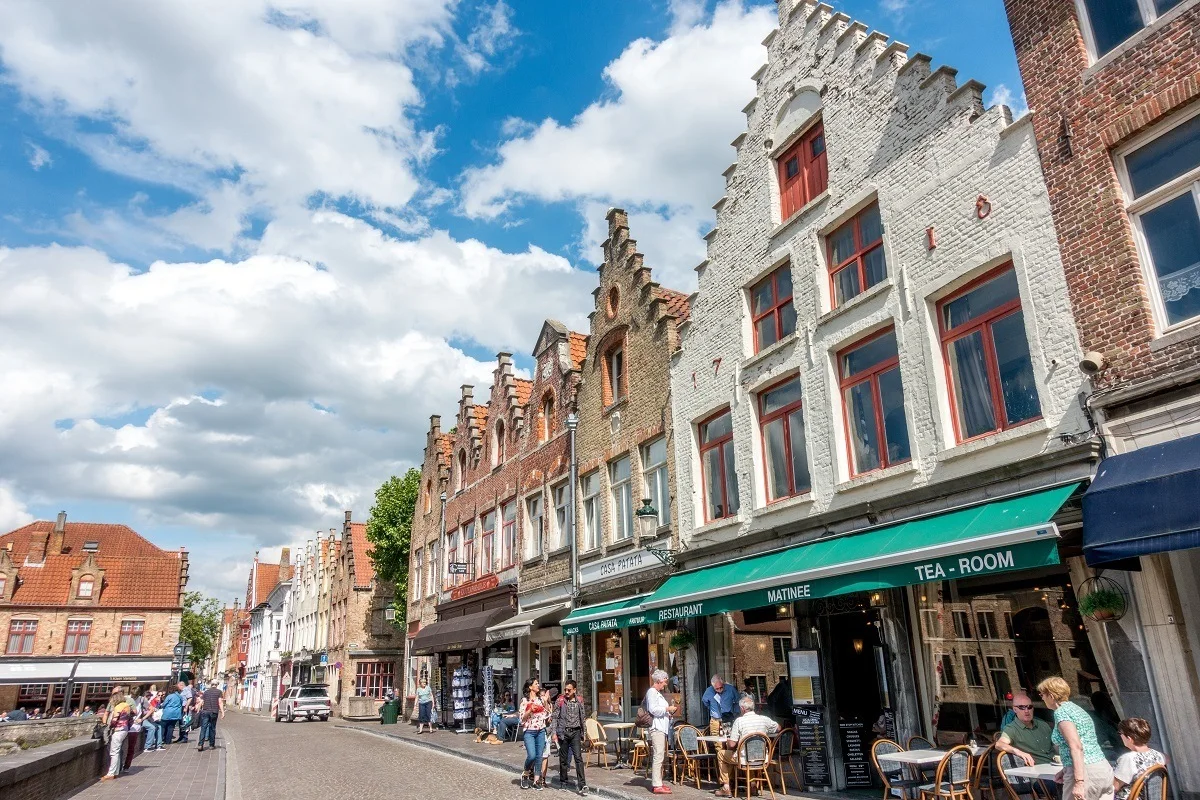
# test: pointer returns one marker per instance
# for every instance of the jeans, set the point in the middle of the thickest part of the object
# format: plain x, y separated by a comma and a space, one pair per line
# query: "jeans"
168, 727
183, 731
503, 724
535, 745
571, 742
153, 739
208, 728
115, 752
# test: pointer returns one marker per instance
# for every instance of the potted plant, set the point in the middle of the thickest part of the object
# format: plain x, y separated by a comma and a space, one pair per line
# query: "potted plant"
1103, 604
682, 639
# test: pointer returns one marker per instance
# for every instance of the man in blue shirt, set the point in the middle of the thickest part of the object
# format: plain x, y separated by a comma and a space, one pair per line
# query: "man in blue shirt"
720, 699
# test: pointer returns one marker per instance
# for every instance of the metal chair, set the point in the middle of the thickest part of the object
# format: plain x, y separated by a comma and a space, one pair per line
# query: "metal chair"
597, 741
1153, 784
952, 781
919, 743
689, 755
785, 746
892, 777
754, 762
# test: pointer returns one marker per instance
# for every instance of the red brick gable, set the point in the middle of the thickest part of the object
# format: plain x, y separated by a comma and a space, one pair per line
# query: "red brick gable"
364, 568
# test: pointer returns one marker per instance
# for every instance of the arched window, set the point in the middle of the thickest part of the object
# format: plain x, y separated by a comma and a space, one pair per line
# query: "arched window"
546, 421
499, 446
86, 586
428, 496
461, 479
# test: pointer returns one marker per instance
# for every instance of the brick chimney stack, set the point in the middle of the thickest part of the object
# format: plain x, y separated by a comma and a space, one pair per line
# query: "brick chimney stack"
285, 564
60, 530
37, 548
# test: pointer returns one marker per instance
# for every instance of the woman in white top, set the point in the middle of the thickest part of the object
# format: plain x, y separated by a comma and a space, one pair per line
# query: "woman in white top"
661, 709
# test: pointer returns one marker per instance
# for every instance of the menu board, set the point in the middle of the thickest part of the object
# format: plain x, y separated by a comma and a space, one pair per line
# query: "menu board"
804, 670
855, 763
813, 746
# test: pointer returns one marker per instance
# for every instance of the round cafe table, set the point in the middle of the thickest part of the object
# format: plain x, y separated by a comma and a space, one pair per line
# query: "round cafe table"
622, 729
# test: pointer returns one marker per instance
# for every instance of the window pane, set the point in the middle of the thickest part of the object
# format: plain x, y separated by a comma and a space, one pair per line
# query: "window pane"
776, 453
781, 396
1163, 6
1166, 158
764, 331
980, 300
1016, 370
845, 284
818, 144
868, 355
656, 452
783, 283
875, 266
799, 451
762, 297
787, 318
731, 484
713, 489
971, 385
1113, 21
716, 428
620, 469
870, 226
864, 435
895, 424
841, 243
793, 166
1173, 235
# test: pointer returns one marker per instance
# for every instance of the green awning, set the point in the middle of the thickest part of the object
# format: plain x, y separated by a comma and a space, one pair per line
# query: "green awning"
1000, 536
605, 617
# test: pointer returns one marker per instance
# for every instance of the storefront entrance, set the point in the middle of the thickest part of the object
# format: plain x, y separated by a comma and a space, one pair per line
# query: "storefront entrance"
857, 666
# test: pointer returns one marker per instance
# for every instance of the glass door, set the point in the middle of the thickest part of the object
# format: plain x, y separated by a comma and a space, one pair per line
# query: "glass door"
610, 671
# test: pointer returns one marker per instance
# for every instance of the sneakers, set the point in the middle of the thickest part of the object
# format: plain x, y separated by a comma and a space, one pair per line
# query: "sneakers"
160, 749
524, 781
583, 790
539, 785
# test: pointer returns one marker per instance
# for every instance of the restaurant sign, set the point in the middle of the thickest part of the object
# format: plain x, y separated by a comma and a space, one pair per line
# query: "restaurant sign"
620, 566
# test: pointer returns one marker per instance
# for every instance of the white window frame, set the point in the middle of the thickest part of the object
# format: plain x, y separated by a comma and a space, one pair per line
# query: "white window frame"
471, 570
655, 480
591, 510
433, 568
621, 491
451, 558
1149, 14
535, 524
418, 571
561, 496
90, 582
1189, 182
616, 377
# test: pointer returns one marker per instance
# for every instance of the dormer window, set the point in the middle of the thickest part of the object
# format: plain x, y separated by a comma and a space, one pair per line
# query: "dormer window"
86, 586
614, 378
546, 429
499, 446
3, 584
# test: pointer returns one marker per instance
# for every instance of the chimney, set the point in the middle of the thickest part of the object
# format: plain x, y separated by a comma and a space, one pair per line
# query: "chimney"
60, 529
285, 564
37, 548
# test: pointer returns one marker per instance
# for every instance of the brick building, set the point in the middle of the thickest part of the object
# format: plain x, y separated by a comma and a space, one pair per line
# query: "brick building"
261, 579
85, 605
1115, 93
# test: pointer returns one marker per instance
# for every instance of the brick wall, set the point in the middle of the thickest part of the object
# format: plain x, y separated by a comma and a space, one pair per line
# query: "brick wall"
160, 634
52, 771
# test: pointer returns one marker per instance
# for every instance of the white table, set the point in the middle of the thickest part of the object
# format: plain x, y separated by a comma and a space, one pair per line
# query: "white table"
1043, 772
916, 758
622, 730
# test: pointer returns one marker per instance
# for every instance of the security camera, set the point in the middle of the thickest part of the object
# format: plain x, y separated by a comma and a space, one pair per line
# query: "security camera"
1092, 363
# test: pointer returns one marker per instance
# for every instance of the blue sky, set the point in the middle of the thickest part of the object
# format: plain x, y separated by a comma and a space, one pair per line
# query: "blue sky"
249, 249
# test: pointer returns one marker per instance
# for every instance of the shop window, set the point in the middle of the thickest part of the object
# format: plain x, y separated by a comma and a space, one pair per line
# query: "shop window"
508, 533
546, 426
418, 572
33, 691
621, 489
86, 586
374, 678
655, 482
803, 171
962, 625
779, 648
589, 490
971, 671
468, 551
1162, 187
932, 623
718, 468
985, 624
615, 380
535, 526
79, 631
946, 667
874, 403
1107, 23
562, 502
856, 258
611, 668
771, 308
987, 356
130, 640
756, 686
21, 633
781, 419
488, 546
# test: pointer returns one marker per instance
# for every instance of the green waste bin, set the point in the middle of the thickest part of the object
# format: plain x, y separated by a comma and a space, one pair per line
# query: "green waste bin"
389, 713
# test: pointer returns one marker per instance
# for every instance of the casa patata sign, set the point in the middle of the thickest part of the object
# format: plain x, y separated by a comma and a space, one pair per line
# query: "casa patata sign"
620, 566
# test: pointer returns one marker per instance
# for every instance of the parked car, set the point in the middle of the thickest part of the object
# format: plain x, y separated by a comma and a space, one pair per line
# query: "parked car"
310, 701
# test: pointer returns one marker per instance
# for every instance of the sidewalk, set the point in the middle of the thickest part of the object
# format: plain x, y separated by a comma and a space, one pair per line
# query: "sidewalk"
178, 773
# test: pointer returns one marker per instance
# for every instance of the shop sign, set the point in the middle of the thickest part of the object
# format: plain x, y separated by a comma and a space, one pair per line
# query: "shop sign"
475, 587
620, 566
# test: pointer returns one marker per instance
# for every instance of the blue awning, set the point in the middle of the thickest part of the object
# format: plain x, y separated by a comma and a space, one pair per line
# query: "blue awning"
1143, 502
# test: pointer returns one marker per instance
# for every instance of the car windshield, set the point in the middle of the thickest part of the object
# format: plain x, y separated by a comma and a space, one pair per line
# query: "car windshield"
313, 693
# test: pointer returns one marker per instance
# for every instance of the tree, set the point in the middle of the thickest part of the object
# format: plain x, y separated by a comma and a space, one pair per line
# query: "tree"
201, 624
389, 530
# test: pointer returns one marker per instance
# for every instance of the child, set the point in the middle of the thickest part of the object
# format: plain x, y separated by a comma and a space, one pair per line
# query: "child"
1135, 735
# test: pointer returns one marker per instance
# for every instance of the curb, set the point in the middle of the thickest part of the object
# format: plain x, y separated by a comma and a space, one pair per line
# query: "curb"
222, 773
596, 791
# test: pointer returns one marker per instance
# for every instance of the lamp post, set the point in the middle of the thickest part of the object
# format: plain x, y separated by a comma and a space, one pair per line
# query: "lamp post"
647, 525
572, 426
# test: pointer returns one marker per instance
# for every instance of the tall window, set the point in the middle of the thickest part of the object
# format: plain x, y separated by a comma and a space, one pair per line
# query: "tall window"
719, 473
985, 623
508, 532
452, 579
803, 171
428, 496
998, 670
987, 357
946, 667
1162, 184
874, 400
962, 625
856, 259
1110, 22
20, 636
546, 426
535, 525
656, 483
3, 584
433, 567
589, 490
781, 416
488, 554
971, 669
418, 572
620, 481
779, 647
130, 640
468, 550
614, 378
561, 502
78, 633
771, 308
460, 480
374, 678
499, 445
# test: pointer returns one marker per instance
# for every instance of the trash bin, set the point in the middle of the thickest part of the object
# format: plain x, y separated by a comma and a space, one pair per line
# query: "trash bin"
390, 712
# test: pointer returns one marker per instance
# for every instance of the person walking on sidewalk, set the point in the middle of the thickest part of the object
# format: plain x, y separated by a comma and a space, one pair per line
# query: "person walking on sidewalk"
661, 709
118, 721
567, 725
534, 716
424, 705
172, 708
185, 718
212, 705
147, 708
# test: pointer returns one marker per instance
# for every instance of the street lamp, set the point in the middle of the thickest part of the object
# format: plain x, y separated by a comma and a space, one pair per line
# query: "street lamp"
647, 519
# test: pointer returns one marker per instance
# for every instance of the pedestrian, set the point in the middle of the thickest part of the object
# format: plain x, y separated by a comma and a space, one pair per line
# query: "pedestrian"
534, 716
212, 705
424, 705
720, 699
1135, 735
118, 718
547, 704
17, 715
185, 719
151, 720
661, 709
1086, 774
172, 708
568, 725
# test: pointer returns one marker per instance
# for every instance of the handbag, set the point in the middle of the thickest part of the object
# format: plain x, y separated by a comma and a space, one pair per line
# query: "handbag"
135, 727
644, 718
187, 720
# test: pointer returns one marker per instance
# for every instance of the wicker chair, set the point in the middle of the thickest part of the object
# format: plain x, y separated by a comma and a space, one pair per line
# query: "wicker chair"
689, 756
919, 743
892, 776
952, 781
1015, 788
785, 747
1153, 784
754, 762
984, 780
639, 748
596, 742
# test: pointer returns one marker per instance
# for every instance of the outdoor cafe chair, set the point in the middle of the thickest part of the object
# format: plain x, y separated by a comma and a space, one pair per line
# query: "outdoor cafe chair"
984, 779
597, 741
1016, 788
753, 762
689, 756
892, 776
1153, 784
952, 781
785, 747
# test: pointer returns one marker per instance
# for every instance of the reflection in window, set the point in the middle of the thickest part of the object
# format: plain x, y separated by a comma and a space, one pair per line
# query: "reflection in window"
874, 404
718, 472
657, 485
771, 308
619, 478
856, 257
781, 418
1113, 21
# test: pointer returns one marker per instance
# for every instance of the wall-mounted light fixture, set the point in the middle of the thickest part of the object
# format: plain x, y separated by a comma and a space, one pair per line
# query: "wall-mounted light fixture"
858, 645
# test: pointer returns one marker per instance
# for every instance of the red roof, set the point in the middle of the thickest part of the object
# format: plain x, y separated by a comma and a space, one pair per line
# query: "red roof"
481, 415
364, 568
137, 573
445, 444
524, 390
676, 302
578, 348
267, 579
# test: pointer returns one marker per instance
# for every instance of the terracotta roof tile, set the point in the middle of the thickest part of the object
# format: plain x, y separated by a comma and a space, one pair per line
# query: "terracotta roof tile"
364, 568
264, 580
137, 573
445, 445
481, 416
524, 390
676, 302
578, 348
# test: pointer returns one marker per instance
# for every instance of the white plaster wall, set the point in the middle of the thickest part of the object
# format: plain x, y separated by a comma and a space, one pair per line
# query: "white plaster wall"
926, 149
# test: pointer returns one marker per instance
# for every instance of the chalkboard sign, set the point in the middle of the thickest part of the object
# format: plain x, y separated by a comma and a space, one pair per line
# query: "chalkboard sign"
855, 762
813, 746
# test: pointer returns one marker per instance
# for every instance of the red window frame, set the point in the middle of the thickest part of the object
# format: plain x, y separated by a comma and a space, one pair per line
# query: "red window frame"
764, 420
857, 259
487, 540
872, 374
984, 324
812, 171
79, 634
21, 635
468, 548
508, 531
131, 634
727, 439
776, 309
374, 678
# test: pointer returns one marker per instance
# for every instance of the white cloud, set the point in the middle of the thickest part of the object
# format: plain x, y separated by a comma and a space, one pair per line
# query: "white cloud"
38, 156
1001, 95
493, 32
13, 513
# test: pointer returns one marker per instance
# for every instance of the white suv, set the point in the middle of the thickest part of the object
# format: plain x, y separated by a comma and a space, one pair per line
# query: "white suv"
307, 702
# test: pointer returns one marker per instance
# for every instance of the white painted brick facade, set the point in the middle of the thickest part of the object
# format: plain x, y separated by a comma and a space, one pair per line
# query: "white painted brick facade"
927, 149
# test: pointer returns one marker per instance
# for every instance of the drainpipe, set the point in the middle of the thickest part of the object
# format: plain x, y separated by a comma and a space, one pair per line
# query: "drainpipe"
572, 425
438, 590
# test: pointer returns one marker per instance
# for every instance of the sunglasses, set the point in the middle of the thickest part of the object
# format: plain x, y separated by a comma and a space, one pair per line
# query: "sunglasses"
1023, 708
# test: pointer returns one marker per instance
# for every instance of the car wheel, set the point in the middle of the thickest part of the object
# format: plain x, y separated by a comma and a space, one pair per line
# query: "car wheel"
324, 719
291, 716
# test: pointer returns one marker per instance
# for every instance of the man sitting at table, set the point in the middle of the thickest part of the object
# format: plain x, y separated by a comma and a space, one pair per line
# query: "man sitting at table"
1028, 738
749, 722
719, 699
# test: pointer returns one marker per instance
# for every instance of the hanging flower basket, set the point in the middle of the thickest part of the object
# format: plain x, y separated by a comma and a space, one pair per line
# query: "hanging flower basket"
682, 639
1102, 599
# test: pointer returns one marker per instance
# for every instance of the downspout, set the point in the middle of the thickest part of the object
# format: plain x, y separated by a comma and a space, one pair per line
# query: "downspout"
441, 704
573, 477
